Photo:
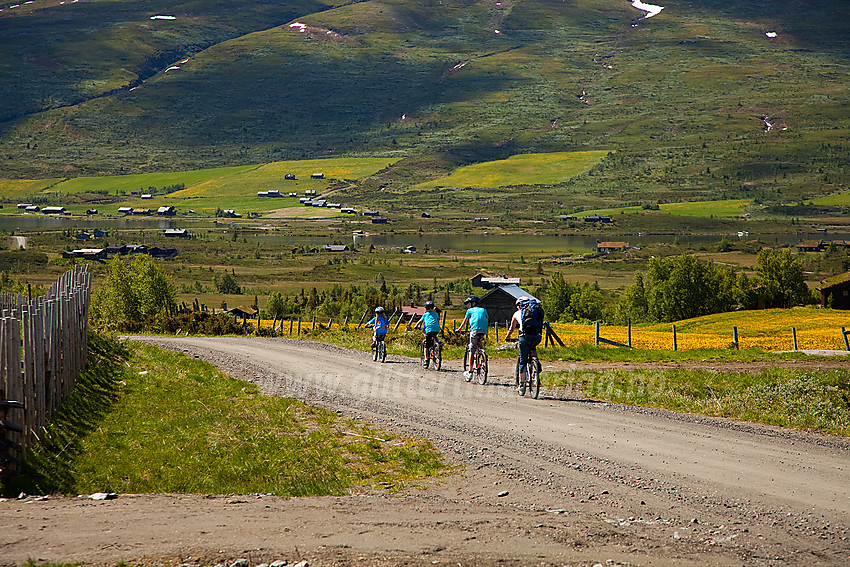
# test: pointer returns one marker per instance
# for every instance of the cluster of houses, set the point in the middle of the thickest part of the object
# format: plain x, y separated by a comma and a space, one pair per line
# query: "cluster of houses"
123, 250
589, 218
30, 208
164, 211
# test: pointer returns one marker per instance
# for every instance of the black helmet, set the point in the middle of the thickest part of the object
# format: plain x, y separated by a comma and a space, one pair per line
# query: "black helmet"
472, 299
429, 305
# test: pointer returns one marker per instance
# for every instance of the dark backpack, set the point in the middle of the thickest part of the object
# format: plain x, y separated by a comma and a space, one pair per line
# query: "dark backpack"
532, 318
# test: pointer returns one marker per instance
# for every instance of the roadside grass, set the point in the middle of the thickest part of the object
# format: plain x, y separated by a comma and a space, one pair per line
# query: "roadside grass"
164, 422
813, 400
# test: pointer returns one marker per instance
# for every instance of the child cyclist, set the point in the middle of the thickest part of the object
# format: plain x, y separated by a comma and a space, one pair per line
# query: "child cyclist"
478, 324
430, 323
381, 325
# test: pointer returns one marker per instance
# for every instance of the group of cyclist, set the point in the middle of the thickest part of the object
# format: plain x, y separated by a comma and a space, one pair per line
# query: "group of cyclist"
477, 320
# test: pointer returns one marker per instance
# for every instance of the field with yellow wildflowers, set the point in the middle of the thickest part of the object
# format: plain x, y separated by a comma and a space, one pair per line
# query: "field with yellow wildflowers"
766, 329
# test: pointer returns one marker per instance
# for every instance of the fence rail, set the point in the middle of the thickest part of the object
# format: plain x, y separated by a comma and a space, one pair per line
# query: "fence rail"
43, 349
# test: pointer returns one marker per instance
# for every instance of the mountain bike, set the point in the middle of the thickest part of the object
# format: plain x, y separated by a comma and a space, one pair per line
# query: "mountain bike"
479, 365
379, 350
435, 356
533, 369
532, 376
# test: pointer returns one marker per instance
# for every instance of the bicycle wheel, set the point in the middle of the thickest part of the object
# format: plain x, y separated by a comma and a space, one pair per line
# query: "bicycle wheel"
437, 356
374, 351
423, 359
467, 375
465, 362
481, 371
516, 375
533, 379
382, 351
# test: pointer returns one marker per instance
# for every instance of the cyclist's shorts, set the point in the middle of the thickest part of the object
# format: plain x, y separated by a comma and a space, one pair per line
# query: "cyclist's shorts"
476, 338
430, 338
380, 337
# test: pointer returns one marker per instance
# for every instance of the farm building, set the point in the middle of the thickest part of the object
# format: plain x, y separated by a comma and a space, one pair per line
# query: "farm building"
176, 233
810, 246
489, 282
835, 292
162, 252
289, 176
370, 213
379, 220
141, 211
242, 313
32, 209
317, 176
91, 211
100, 233
86, 253
83, 236
597, 218
125, 211
500, 302
53, 210
24, 205
606, 247
166, 211
336, 248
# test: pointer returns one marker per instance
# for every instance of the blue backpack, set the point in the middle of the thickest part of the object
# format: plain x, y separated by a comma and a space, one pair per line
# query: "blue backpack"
532, 318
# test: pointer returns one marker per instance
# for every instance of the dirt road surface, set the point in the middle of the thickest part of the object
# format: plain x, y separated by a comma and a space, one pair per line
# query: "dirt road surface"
556, 481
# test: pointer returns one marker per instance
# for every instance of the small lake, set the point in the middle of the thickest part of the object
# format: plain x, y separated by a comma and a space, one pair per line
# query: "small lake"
480, 242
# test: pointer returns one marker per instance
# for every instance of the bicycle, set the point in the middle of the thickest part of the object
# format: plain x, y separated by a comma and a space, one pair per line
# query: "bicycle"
379, 350
532, 382
479, 365
435, 356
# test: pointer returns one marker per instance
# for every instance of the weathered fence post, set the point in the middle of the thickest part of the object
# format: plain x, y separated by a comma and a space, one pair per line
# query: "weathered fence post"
844, 336
794, 337
735, 338
675, 346
629, 323
596, 340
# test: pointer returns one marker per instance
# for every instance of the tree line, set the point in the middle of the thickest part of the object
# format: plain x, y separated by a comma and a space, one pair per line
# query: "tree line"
681, 287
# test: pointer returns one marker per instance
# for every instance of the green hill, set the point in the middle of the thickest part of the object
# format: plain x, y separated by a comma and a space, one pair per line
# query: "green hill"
694, 103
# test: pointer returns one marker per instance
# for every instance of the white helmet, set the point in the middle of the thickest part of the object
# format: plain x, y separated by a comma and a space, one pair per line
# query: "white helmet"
521, 300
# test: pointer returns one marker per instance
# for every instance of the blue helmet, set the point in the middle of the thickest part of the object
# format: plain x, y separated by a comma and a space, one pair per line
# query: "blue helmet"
472, 299
429, 305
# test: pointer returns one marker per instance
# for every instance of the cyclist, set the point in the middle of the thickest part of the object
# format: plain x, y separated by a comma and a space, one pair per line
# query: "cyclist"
529, 337
381, 325
478, 322
430, 323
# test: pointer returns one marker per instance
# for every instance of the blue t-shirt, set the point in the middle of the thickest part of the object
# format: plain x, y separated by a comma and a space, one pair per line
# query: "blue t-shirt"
477, 319
380, 323
431, 322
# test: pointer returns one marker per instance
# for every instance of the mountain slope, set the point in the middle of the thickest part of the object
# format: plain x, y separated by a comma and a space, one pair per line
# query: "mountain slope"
698, 101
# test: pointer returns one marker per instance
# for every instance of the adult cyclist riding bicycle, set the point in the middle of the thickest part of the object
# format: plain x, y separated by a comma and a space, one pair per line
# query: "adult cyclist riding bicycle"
528, 320
478, 322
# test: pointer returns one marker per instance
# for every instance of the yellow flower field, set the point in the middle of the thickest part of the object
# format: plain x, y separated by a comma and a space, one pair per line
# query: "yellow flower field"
768, 329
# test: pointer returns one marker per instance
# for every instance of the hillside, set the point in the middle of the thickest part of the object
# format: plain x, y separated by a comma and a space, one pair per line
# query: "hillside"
697, 102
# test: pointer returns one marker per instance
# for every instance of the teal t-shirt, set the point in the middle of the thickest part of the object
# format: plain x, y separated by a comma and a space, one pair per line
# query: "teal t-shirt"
477, 319
431, 322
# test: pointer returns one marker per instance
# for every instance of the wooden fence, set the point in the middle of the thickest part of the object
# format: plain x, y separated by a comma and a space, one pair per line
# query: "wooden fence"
43, 349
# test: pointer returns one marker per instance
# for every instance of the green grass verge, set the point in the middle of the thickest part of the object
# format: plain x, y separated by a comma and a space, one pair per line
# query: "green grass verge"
169, 423
816, 401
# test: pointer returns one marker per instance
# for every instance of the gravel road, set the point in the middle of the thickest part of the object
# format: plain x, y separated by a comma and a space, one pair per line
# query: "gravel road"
556, 481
